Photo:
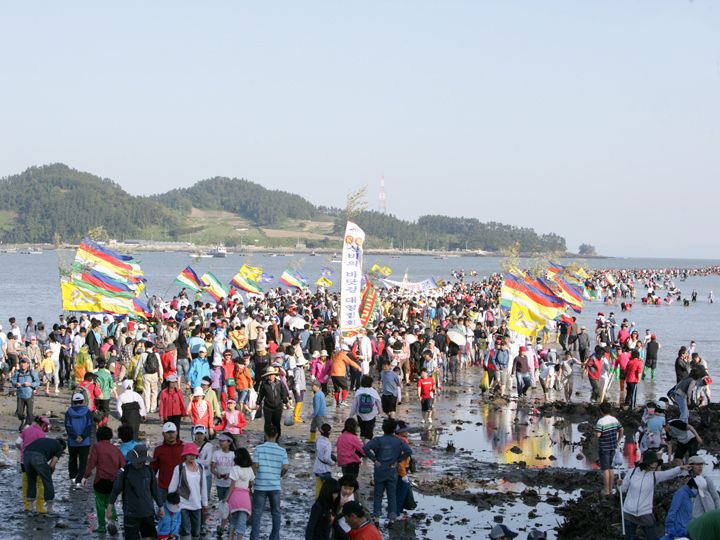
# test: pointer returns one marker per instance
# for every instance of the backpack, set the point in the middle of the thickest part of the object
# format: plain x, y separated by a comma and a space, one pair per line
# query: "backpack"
152, 363
366, 403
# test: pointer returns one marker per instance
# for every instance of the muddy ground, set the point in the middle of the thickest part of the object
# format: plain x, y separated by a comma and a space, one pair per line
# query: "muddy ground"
461, 493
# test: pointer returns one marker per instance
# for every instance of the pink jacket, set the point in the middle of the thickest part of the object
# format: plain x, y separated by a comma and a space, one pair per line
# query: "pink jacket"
320, 371
346, 445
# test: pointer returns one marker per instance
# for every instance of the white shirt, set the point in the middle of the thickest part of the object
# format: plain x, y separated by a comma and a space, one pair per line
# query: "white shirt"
128, 396
197, 484
242, 476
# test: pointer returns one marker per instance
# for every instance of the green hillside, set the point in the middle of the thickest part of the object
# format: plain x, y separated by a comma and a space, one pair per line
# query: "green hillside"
42, 201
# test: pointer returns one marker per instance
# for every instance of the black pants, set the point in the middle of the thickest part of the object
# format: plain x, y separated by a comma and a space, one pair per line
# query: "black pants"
77, 461
273, 417
175, 420
65, 370
366, 427
24, 410
355, 376
352, 468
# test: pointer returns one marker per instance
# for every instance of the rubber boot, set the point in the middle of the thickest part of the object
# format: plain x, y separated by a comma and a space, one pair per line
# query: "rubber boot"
313, 436
298, 411
652, 374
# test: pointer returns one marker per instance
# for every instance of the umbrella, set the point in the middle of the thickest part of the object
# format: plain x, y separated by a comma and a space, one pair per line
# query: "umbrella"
410, 339
457, 337
297, 323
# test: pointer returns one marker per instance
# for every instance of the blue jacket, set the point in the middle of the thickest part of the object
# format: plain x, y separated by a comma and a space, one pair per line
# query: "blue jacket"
78, 421
169, 524
25, 392
199, 368
680, 512
319, 404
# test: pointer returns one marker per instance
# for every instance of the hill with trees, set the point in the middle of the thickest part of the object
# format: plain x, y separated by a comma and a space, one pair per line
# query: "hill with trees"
51, 200
55, 199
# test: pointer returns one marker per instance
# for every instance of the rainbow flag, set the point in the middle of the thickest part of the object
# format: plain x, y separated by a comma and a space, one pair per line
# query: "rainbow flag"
213, 286
248, 285
292, 279
531, 294
92, 255
101, 284
188, 278
610, 279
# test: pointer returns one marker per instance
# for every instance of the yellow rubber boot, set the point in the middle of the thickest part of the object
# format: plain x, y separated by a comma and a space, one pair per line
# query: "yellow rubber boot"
298, 411
313, 436
318, 486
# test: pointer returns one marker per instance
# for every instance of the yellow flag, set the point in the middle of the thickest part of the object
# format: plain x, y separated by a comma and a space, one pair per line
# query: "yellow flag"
385, 271
582, 273
76, 299
376, 268
252, 273
323, 282
523, 321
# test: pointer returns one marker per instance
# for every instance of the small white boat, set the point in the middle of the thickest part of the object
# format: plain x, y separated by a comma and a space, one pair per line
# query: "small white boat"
31, 251
200, 255
220, 252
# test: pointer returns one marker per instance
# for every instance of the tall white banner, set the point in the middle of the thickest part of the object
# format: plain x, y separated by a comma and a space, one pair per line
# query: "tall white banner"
350, 287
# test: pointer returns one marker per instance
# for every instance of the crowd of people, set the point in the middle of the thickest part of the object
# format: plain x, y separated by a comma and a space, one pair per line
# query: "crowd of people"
205, 371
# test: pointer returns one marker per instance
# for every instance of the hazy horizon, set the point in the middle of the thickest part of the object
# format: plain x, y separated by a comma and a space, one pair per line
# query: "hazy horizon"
597, 121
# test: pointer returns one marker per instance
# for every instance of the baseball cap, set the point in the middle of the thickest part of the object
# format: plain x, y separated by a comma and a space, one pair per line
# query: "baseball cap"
78, 397
169, 427
199, 429
172, 378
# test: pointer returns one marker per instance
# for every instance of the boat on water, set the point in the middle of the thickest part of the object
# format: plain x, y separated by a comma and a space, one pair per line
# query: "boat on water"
8, 250
201, 255
313, 254
219, 252
31, 251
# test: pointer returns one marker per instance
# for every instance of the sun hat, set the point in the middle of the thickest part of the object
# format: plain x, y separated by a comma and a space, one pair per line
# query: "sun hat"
323, 353
661, 406
205, 380
316, 354
501, 531
199, 429
172, 378
168, 427
270, 371
696, 460
198, 392
224, 437
190, 449
78, 397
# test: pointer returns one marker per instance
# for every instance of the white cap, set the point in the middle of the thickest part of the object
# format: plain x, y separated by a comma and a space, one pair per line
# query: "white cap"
217, 362
199, 429
127, 384
78, 397
197, 391
168, 427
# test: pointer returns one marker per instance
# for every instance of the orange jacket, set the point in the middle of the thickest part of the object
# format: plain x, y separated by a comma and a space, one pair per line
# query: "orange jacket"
339, 361
243, 380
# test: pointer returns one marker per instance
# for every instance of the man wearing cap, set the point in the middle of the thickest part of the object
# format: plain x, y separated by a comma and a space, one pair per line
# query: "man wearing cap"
140, 490
24, 382
501, 532
79, 424
272, 396
708, 499
166, 457
361, 528
172, 402
521, 370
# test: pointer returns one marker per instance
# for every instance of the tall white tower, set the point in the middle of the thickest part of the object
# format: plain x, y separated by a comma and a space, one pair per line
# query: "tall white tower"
382, 201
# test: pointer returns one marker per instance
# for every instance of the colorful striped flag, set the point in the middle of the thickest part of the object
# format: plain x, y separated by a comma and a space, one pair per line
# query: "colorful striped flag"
369, 302
213, 286
189, 278
610, 279
248, 285
292, 279
531, 294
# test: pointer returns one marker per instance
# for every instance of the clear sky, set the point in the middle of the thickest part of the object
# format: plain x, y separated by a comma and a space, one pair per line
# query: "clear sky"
598, 120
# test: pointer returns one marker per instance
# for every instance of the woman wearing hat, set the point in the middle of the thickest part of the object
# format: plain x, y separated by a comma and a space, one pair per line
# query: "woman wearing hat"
189, 481
639, 489
200, 411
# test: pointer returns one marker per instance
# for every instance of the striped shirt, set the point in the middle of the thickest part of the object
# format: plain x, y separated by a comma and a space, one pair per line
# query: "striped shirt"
608, 428
270, 457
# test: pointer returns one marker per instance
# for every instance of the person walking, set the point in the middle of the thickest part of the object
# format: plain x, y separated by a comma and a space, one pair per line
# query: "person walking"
270, 464
189, 481
608, 432
272, 397
79, 425
521, 370
639, 490
166, 457
391, 389
24, 382
172, 403
41, 457
633, 372
106, 459
37, 430
324, 458
366, 406
386, 452
324, 511
349, 448
238, 500
131, 407
138, 486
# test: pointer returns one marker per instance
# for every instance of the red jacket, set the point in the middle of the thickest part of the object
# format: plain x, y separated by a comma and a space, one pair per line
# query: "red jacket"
106, 458
366, 531
172, 403
594, 367
633, 370
169, 363
165, 459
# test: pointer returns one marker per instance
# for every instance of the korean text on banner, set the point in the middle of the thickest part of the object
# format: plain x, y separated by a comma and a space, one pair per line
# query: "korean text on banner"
350, 287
